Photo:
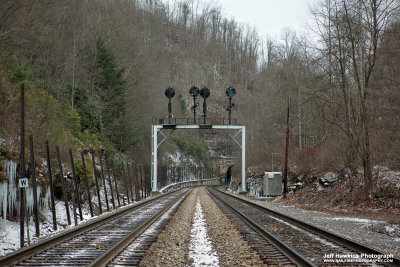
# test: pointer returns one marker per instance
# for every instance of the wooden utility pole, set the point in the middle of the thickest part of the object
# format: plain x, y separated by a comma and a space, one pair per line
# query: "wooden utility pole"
33, 177
76, 185
53, 207
103, 178
87, 183
22, 168
95, 179
285, 171
64, 188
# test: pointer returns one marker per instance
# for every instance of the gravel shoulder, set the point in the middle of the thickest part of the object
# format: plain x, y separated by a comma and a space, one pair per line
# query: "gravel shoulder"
363, 230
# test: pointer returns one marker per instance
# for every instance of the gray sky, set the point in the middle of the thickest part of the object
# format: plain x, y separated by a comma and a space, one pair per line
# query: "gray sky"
268, 16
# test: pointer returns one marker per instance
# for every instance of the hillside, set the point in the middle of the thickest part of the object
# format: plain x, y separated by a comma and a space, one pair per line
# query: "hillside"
96, 71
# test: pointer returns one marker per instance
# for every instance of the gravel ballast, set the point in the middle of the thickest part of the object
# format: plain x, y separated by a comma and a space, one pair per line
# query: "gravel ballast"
172, 246
231, 248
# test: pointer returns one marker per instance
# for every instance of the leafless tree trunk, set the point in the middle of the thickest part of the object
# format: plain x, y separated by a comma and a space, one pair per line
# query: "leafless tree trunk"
351, 31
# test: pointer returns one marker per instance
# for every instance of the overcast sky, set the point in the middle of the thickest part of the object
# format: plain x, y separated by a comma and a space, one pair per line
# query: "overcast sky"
268, 16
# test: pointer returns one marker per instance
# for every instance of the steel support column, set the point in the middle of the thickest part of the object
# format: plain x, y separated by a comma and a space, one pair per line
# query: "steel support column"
243, 159
155, 146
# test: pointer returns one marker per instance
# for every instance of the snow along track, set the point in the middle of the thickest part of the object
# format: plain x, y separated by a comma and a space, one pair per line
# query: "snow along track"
85, 244
201, 250
309, 242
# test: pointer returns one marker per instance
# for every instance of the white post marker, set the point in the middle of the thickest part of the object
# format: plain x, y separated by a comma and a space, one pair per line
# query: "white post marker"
23, 182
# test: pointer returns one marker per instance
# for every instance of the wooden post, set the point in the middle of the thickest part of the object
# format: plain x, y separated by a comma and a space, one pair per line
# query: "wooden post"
136, 172
141, 182
125, 181
115, 182
95, 180
285, 171
33, 178
146, 181
22, 169
76, 185
130, 180
53, 206
74, 208
109, 180
103, 178
86, 183
63, 185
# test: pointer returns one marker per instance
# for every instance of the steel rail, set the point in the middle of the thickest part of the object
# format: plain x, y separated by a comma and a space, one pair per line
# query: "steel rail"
21, 254
341, 240
292, 254
122, 244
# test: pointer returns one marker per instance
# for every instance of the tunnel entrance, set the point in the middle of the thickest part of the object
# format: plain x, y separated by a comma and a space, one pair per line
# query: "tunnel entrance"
166, 129
228, 176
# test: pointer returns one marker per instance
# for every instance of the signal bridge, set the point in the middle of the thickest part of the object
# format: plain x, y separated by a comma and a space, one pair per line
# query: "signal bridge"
236, 132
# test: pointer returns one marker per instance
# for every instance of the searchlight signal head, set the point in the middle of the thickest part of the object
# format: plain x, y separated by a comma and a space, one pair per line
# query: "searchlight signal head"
230, 92
194, 91
170, 92
205, 92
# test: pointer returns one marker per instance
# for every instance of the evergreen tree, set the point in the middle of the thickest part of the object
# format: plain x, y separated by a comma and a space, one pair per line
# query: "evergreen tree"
110, 89
90, 118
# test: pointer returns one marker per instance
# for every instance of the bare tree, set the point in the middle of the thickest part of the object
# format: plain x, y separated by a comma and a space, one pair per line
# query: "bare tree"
351, 31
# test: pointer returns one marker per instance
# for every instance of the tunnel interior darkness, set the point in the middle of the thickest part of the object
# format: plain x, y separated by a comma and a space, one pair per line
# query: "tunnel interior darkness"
228, 175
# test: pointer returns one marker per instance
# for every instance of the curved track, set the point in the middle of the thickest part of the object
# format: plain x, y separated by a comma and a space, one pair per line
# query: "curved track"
294, 242
99, 241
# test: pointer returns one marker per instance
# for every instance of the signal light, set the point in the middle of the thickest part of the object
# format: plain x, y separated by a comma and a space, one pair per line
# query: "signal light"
194, 106
194, 91
230, 107
170, 92
230, 92
205, 92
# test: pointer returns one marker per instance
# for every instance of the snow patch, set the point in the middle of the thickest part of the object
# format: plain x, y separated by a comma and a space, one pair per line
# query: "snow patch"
354, 219
201, 249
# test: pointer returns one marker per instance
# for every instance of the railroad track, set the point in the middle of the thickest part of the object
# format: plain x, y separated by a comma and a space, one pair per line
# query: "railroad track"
279, 239
106, 240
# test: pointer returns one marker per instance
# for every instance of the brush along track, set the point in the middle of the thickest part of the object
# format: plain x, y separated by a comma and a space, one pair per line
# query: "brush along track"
294, 238
86, 244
